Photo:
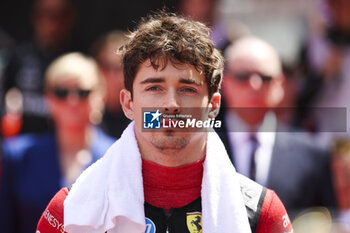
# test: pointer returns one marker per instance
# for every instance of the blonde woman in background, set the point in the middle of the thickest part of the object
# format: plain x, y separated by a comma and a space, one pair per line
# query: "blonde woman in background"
36, 166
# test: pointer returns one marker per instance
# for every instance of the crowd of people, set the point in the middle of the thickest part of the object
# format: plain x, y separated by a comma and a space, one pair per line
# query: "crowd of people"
67, 111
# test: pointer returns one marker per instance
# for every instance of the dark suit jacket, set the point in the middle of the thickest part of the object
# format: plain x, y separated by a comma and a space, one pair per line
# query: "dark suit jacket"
299, 171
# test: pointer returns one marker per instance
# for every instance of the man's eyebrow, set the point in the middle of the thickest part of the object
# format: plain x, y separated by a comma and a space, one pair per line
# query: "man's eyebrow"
153, 80
182, 80
191, 81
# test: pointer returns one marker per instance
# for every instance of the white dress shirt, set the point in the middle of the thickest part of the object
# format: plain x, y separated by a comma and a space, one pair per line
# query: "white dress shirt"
238, 134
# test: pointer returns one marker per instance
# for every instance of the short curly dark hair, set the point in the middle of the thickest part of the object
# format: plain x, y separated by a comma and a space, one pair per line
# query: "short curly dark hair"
166, 37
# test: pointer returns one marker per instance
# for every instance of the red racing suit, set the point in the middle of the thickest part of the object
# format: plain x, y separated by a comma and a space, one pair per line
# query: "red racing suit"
265, 211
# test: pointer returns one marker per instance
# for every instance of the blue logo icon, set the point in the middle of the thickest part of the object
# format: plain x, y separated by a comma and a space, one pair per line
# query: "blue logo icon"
151, 120
150, 227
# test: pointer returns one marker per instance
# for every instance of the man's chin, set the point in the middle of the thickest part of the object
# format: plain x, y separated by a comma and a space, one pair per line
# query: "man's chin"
169, 142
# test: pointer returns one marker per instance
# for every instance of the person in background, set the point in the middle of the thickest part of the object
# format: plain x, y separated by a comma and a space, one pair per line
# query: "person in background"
341, 177
6, 43
325, 62
37, 165
53, 24
207, 12
323, 220
110, 65
258, 145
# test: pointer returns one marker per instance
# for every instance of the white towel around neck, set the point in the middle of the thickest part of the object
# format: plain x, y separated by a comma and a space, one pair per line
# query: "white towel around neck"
108, 196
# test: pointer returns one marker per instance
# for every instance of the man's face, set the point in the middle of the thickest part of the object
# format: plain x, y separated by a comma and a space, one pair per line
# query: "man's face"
170, 89
53, 22
250, 82
199, 10
112, 71
340, 13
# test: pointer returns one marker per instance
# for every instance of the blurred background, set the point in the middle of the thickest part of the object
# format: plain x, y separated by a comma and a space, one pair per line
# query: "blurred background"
312, 40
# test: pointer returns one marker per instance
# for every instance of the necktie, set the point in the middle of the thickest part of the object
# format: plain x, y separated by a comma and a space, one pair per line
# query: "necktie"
254, 146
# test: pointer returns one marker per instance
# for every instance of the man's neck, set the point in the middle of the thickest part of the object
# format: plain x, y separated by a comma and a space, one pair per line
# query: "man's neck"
252, 117
236, 122
167, 187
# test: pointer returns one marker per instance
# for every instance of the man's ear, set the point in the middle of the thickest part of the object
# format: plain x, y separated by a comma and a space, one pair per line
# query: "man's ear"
214, 105
127, 104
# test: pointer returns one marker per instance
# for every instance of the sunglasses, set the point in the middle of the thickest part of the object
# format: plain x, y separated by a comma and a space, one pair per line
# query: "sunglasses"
245, 76
62, 93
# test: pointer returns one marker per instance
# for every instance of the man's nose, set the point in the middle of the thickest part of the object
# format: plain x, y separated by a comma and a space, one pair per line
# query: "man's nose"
255, 82
171, 102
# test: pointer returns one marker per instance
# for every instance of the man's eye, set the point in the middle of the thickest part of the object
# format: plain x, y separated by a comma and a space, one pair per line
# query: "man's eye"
153, 88
188, 90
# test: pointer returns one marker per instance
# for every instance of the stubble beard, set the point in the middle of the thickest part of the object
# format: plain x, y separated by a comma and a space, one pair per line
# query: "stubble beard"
169, 142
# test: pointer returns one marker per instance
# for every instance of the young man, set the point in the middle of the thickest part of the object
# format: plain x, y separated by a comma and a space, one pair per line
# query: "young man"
167, 180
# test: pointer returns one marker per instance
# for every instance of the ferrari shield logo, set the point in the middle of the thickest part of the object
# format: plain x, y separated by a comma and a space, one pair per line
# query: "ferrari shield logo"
194, 222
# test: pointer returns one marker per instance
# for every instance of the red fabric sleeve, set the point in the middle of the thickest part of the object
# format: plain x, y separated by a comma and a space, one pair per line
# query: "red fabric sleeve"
51, 220
273, 216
